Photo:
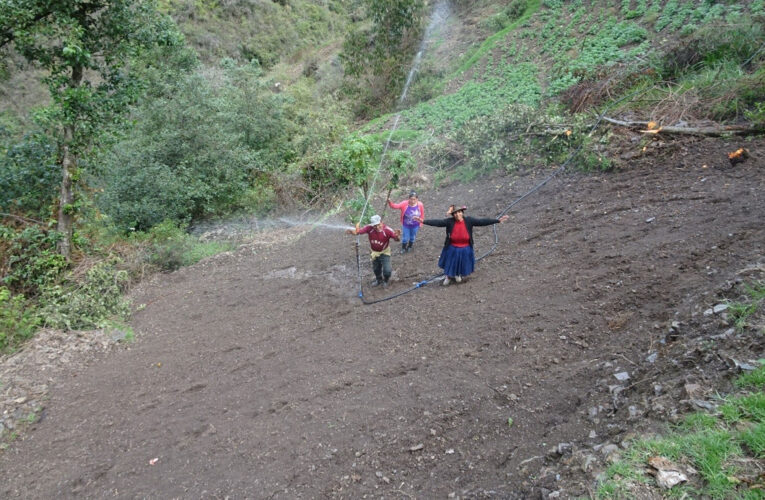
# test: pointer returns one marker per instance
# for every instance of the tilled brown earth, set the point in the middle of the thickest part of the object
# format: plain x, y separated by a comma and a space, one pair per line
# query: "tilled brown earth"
261, 374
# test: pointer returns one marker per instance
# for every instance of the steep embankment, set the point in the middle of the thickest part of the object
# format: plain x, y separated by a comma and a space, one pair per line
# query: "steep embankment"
259, 373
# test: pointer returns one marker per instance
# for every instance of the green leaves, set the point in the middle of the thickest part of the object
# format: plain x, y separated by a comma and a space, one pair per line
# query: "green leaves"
198, 150
29, 261
380, 53
29, 176
358, 164
399, 164
18, 320
92, 303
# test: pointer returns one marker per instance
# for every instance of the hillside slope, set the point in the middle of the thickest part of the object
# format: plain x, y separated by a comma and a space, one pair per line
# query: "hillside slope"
260, 374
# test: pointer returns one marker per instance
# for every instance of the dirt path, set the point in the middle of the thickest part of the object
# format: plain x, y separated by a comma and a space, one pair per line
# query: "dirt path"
259, 374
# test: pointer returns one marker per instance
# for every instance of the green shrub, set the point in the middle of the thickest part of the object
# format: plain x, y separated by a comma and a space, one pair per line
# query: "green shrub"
594, 162
196, 153
505, 17
756, 115
516, 9
30, 261
354, 206
710, 46
496, 22
171, 247
29, 176
18, 320
90, 303
353, 163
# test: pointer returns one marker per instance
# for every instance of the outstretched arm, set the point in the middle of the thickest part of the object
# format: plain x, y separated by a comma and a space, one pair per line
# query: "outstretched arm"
489, 221
432, 222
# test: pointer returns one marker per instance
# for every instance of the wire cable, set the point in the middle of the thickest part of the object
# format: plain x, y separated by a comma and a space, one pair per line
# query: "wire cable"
533, 190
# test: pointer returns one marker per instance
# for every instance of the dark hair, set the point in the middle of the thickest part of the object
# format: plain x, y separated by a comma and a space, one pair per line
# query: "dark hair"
412, 193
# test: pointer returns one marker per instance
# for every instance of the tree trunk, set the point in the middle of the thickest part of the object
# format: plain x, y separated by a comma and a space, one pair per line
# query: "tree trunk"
65, 214
68, 164
714, 131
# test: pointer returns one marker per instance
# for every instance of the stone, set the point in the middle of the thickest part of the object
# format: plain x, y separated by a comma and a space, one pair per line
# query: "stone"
719, 308
587, 461
622, 376
609, 449
693, 391
667, 473
564, 448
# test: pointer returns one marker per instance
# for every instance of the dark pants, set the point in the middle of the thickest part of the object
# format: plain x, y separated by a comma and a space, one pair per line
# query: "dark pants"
381, 267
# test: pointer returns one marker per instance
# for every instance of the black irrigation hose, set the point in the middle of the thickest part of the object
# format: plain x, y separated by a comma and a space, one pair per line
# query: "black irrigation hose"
503, 212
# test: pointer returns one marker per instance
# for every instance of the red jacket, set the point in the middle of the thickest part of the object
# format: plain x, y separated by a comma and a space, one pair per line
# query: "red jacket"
402, 206
378, 240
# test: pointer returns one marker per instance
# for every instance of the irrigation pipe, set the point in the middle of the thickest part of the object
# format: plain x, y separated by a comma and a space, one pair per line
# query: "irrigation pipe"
503, 212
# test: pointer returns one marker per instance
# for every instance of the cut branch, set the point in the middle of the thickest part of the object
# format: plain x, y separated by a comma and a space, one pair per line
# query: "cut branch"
25, 220
715, 131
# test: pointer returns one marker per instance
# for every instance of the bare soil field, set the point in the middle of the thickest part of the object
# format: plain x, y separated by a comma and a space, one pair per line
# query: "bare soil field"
260, 374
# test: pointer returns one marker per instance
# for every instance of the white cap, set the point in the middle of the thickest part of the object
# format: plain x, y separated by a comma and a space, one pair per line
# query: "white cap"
374, 220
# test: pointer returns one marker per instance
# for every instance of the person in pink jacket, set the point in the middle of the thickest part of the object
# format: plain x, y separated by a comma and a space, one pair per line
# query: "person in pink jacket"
410, 209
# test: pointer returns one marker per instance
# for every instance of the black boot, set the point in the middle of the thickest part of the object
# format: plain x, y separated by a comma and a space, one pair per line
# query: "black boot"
409, 246
403, 248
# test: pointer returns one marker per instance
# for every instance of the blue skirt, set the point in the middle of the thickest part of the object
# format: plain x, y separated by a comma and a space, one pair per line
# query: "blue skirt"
457, 261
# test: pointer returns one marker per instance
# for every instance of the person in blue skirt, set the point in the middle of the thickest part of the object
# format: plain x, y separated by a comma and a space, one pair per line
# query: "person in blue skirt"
457, 257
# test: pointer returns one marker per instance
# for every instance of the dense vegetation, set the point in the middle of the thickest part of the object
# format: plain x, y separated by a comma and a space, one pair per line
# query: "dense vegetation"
110, 149
122, 122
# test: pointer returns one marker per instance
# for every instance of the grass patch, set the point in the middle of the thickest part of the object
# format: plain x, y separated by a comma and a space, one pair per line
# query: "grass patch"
742, 312
173, 248
718, 446
754, 379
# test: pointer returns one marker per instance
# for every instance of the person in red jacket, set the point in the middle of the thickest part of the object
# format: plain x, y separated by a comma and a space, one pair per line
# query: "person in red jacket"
410, 208
379, 239
457, 257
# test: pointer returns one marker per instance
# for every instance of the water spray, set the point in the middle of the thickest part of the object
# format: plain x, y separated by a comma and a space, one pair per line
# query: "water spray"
294, 222
439, 15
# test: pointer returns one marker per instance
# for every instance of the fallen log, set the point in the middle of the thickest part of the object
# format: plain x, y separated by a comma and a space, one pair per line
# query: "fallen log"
714, 131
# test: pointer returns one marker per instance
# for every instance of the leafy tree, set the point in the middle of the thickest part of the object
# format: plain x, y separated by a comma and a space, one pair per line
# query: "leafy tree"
380, 53
256, 116
358, 162
180, 162
28, 175
84, 46
195, 151
399, 164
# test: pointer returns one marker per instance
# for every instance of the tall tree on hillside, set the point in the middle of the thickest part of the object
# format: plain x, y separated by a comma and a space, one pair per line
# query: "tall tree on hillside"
85, 47
382, 50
